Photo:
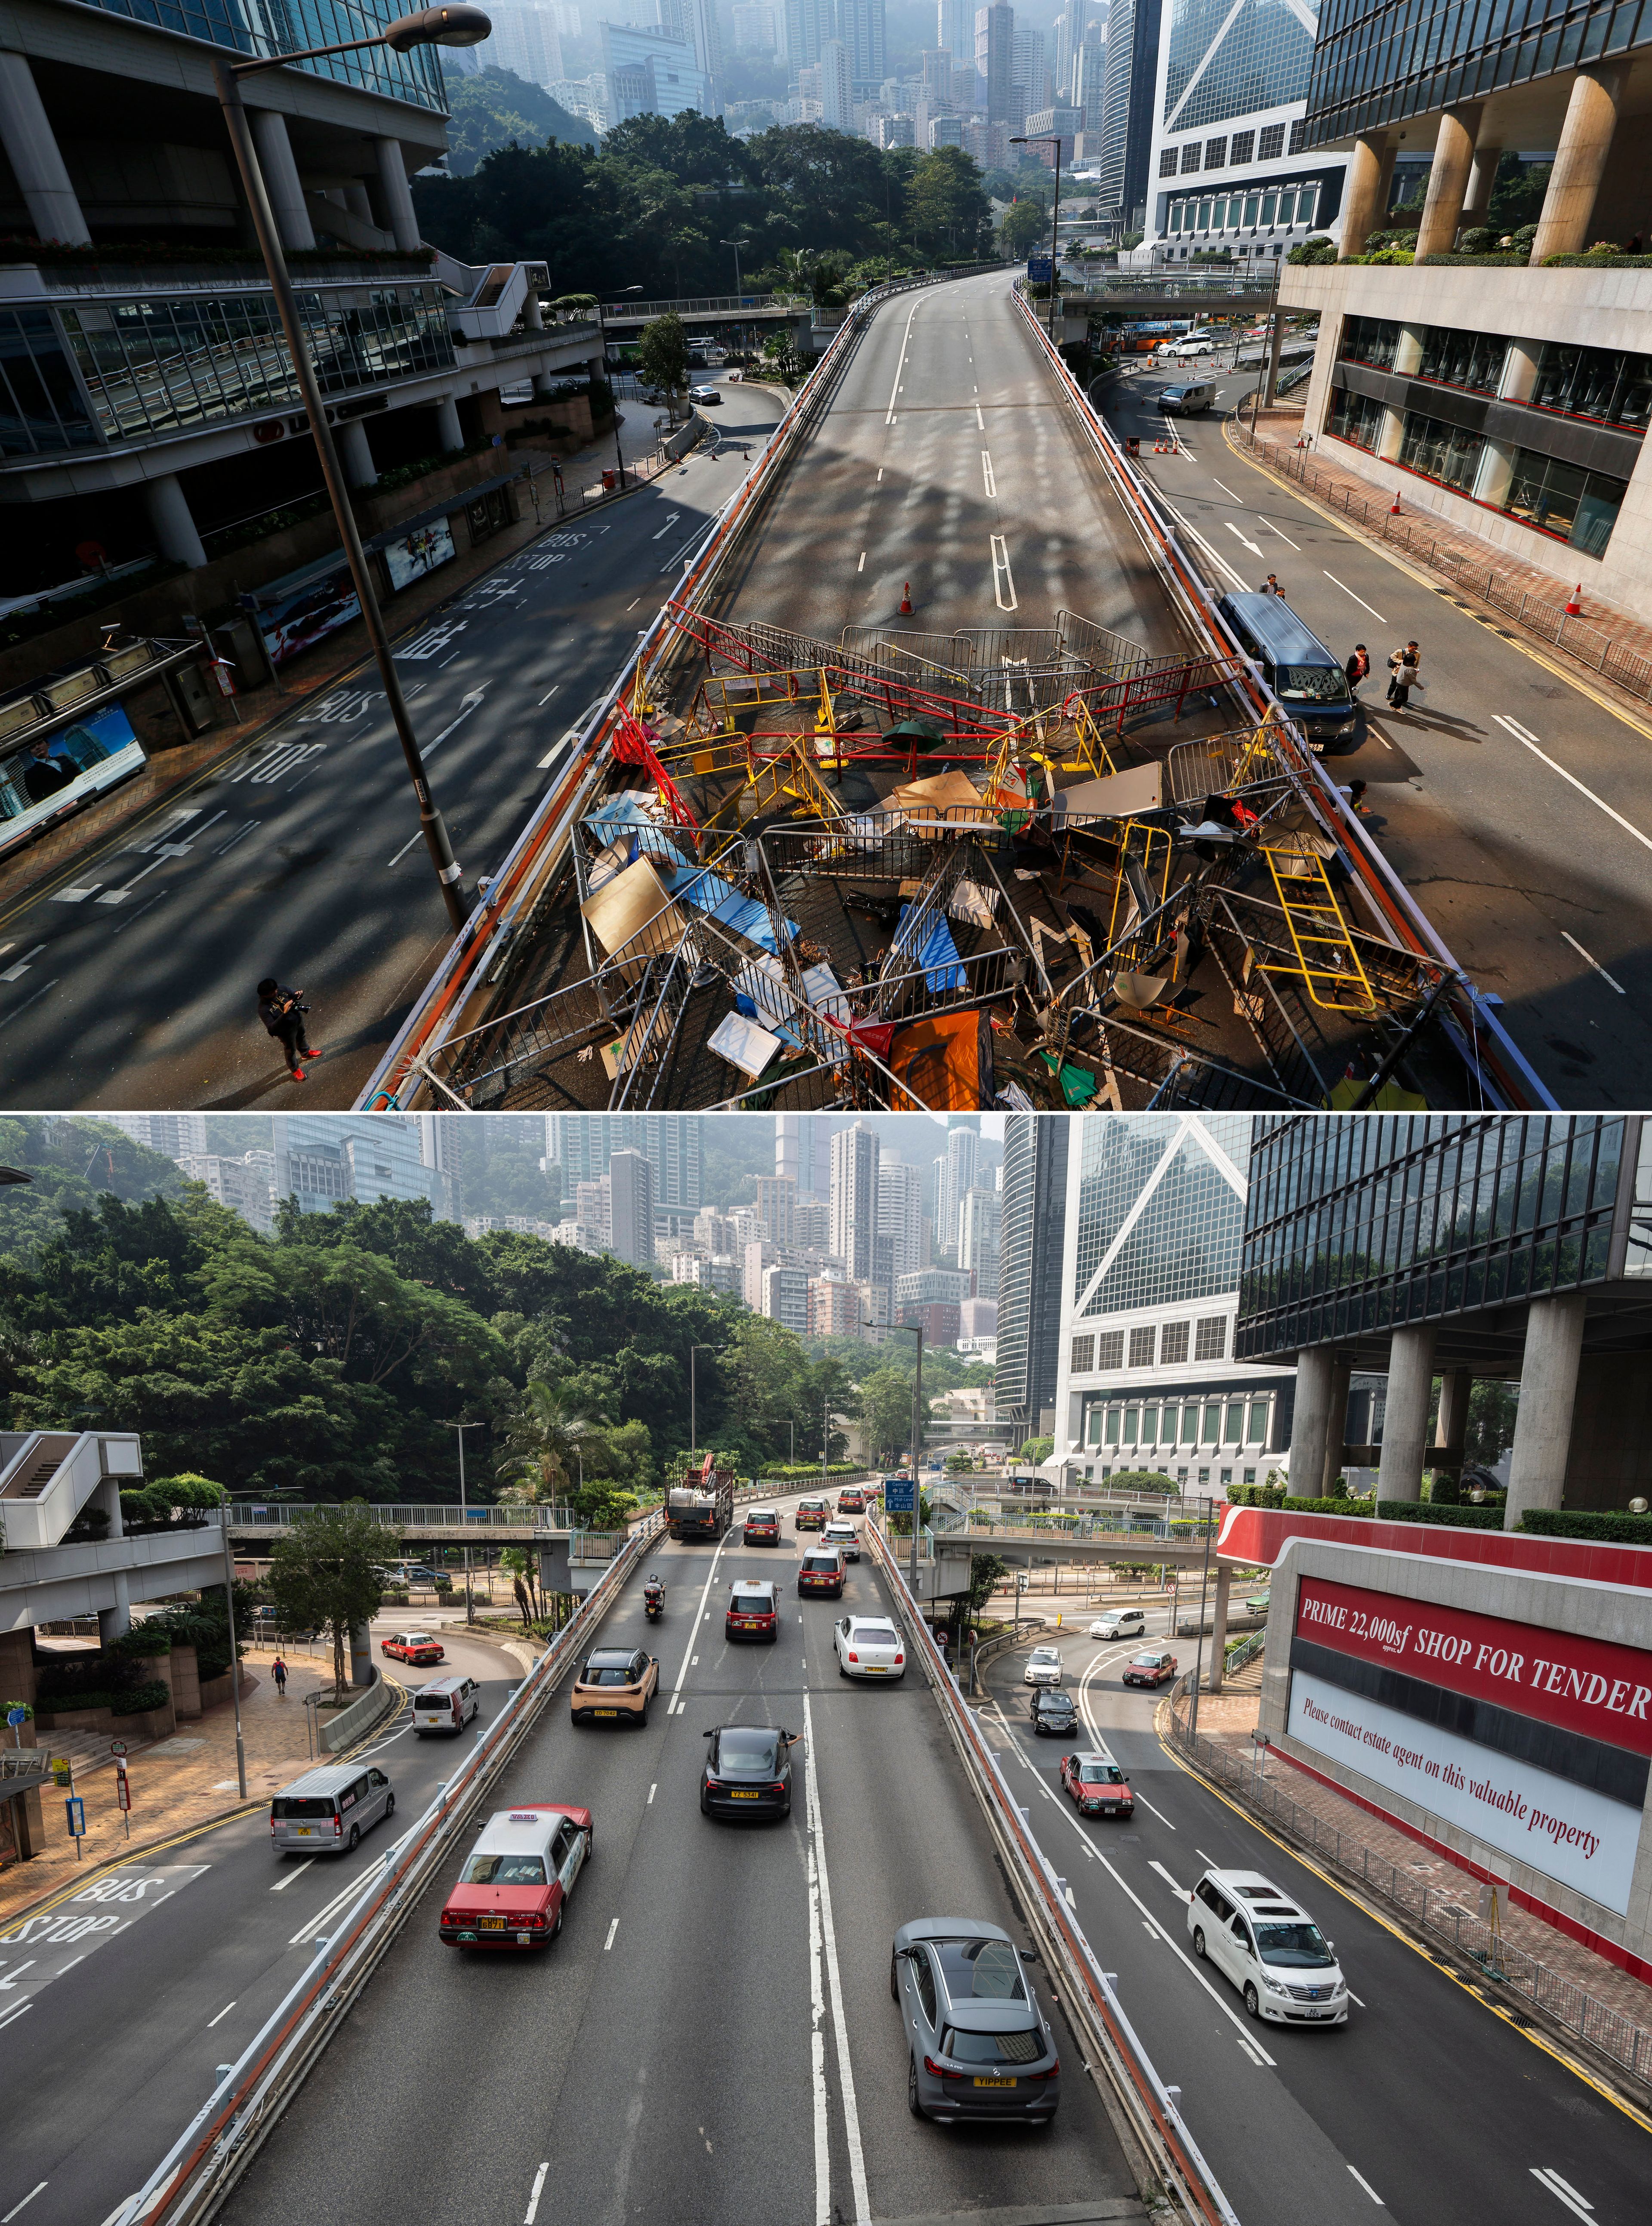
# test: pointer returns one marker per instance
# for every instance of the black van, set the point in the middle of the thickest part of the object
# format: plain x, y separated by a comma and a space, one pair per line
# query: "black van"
1309, 683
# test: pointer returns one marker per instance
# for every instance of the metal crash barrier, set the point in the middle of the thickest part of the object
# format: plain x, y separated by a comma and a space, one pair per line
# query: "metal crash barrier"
1113, 2051
216, 2147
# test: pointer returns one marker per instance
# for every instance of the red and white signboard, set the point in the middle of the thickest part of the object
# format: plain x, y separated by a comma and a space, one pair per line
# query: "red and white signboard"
1589, 1688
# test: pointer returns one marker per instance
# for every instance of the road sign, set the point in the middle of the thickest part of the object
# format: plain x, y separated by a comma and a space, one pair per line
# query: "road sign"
75, 1810
123, 1785
898, 1495
116, 1746
15, 1716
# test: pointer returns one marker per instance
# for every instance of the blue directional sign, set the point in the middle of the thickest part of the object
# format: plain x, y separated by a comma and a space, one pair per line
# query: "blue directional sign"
16, 1715
898, 1492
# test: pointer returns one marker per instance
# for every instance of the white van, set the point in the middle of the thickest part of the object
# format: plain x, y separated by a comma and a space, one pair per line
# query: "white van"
446, 1705
326, 1811
1263, 1939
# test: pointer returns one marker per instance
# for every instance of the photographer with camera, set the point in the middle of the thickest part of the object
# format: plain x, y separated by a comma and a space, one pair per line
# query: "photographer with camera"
282, 1014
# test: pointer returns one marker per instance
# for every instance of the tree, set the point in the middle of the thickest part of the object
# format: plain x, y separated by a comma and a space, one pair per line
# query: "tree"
948, 214
327, 1571
662, 353
1023, 227
886, 1411
496, 108
1036, 1450
1493, 1404
780, 353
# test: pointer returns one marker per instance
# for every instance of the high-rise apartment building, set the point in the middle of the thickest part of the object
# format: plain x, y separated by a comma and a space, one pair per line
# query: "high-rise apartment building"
441, 1146
630, 1208
1126, 121
1030, 71
525, 40
754, 28
1228, 166
860, 27
1030, 1269
854, 1200
777, 1199
695, 22
833, 1307
581, 1144
1147, 1379
785, 1297
245, 1185
956, 1176
955, 29
172, 1135
980, 1225
836, 86
900, 1213
321, 1158
1083, 20
802, 1149
995, 65
809, 24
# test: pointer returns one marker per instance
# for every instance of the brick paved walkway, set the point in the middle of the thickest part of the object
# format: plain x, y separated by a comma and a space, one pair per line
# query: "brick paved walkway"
1228, 1718
1610, 648
177, 1783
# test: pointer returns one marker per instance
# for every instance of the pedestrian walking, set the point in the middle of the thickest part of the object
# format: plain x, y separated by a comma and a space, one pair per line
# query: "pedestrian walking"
1355, 791
1357, 667
282, 1014
279, 1671
1403, 674
1270, 586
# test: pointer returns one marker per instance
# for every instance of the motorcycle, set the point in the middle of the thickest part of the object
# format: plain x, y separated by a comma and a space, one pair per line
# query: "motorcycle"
654, 1601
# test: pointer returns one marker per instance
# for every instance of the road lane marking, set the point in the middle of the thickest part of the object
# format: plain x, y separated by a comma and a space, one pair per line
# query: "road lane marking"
211, 2022
608, 1943
23, 2205
1370, 2189
102, 1909
234, 839
1255, 546
653, 1790
1175, 1886
987, 474
981, 422
16, 973
1003, 576
901, 365
1565, 937
282, 1884
532, 2211
860, 567
405, 847
1222, 484
28, 1001
1563, 2192
1513, 727
699, 1618
840, 2023
818, 2033
1347, 590
1214, 556
311, 1929
666, 528
466, 704
1272, 528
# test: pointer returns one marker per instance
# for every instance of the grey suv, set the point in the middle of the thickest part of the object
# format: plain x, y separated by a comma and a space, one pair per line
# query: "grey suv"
978, 2046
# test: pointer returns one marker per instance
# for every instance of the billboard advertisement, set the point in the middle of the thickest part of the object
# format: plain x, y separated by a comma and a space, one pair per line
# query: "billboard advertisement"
307, 613
1535, 1742
419, 552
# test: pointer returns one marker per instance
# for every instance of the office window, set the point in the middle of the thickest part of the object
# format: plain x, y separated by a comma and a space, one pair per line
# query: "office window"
1211, 1432
1270, 144
1370, 340
1607, 384
1176, 215
1113, 1418
1257, 1433
1252, 202
1083, 1355
1110, 1349
1241, 146
1445, 453
1173, 1344
1190, 1426
1576, 506
1298, 133
1142, 1346
1356, 418
1203, 224
1210, 1338
1270, 210
1190, 155
1216, 154
1167, 162
1150, 1426
1233, 1429
1132, 1424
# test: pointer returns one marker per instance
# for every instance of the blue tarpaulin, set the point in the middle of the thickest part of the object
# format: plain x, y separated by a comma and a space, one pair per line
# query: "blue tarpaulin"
709, 893
943, 969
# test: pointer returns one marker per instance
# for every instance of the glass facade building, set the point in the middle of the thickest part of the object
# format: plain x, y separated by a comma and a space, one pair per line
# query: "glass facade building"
1359, 1225
581, 1144
284, 27
1029, 1268
1160, 1211
1224, 61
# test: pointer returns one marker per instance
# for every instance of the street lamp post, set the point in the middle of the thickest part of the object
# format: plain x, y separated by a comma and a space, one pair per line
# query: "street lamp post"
235, 1659
734, 244
1050, 139
445, 27
694, 1430
915, 1329
602, 334
470, 1604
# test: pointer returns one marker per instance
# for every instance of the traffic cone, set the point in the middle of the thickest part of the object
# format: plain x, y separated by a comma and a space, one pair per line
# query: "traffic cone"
1394, 507
1575, 602
905, 599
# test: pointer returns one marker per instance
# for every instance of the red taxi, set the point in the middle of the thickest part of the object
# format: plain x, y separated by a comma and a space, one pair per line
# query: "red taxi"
812, 1514
513, 1890
1151, 1667
1098, 1786
851, 1500
754, 1611
762, 1526
821, 1570
413, 1646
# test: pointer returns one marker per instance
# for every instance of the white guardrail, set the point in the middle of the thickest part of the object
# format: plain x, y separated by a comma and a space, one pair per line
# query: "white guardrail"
481, 948
1494, 1062
1168, 2149
219, 2142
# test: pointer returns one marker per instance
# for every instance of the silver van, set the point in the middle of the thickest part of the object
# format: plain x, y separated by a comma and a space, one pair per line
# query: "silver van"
447, 1704
326, 1811
1186, 398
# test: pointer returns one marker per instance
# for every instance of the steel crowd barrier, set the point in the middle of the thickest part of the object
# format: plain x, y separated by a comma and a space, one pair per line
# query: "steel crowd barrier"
472, 960
1494, 1062
1168, 2148
219, 2142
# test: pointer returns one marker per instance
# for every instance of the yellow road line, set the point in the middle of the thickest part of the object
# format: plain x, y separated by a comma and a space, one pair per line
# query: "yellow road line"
1516, 2025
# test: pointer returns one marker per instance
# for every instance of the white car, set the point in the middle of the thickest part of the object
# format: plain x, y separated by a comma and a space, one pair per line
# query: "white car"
845, 1537
1185, 348
868, 1646
704, 395
1043, 1667
1119, 1623
1263, 1939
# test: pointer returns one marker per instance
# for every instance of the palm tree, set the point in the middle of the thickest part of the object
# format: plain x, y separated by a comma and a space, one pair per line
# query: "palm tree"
552, 1433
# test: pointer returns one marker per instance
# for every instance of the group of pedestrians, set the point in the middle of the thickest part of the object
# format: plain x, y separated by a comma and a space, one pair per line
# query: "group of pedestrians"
1404, 669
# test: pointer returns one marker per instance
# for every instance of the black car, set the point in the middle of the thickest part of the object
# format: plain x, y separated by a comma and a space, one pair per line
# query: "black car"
747, 1771
1053, 1711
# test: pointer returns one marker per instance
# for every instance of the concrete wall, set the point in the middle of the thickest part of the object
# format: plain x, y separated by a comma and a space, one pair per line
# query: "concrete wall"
1541, 1603
1610, 1460
1599, 308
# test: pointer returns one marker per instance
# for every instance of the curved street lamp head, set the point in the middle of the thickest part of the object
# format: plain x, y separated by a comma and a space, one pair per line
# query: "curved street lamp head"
452, 26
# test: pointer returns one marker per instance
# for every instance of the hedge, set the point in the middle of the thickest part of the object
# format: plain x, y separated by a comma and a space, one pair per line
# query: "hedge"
136, 1700
142, 1640
141, 1698
1597, 262
1609, 1529
1424, 1511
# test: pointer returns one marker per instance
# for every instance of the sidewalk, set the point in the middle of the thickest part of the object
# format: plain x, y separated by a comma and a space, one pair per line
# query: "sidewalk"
318, 669
177, 1783
1227, 1718
1609, 647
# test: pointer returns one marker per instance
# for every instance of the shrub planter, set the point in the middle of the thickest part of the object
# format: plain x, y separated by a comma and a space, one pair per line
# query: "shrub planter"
149, 1724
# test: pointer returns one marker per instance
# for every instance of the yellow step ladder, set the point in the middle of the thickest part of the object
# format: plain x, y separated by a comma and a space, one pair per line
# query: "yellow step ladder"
1328, 960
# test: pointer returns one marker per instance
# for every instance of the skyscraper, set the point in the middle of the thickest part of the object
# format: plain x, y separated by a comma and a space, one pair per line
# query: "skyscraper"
1126, 122
581, 1144
956, 1175
955, 28
777, 1199
900, 1213
630, 1207
980, 1226
810, 23
169, 1133
855, 1201
802, 1149
995, 63
1029, 1268
525, 40
836, 86
1029, 71
321, 1158
441, 1146
649, 73
860, 26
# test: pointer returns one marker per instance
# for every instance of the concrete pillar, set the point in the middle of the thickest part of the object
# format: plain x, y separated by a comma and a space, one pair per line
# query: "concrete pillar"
356, 453
392, 178
114, 1622
533, 312
1586, 142
357, 202
1361, 189
1448, 181
1405, 1427
1218, 1627
543, 384
1311, 1426
1407, 351
1494, 472
1391, 439
1548, 1390
1337, 1433
1451, 1429
175, 529
1520, 366
1483, 176
280, 178
32, 150
449, 432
